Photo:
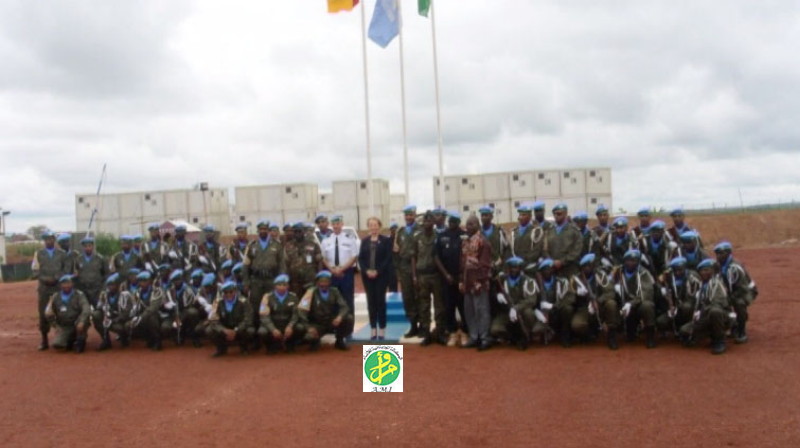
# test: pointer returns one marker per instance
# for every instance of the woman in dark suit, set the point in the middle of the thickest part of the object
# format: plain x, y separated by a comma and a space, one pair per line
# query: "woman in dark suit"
375, 261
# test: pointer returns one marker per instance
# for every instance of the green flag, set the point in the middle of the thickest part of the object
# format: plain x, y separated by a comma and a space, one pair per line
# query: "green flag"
424, 6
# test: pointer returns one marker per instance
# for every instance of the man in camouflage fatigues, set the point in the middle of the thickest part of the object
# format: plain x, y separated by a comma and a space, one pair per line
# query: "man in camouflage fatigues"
555, 304
126, 259
231, 320
303, 258
48, 266
323, 310
154, 250
595, 301
147, 302
427, 281
634, 286
711, 315
563, 243
279, 318
91, 270
64, 240
113, 313
681, 285
527, 239
741, 288
68, 311
516, 301
264, 260
403, 246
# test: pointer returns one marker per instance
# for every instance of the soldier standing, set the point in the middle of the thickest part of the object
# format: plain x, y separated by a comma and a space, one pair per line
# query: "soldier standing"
126, 259
230, 321
741, 288
538, 215
323, 231
392, 281
154, 251
427, 281
91, 270
210, 248
600, 234
264, 260
68, 311
239, 245
183, 252
581, 219
64, 240
439, 220
619, 241
403, 246
527, 239
279, 318
679, 225
643, 229
48, 266
448, 261
323, 310
303, 258
563, 242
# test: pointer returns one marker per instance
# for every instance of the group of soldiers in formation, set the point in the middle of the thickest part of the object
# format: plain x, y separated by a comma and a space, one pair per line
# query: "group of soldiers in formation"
543, 280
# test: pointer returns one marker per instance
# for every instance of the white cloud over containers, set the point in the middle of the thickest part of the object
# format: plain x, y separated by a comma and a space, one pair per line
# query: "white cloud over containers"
688, 103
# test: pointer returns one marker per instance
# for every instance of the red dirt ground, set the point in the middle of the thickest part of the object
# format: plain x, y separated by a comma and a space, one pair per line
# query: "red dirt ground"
584, 396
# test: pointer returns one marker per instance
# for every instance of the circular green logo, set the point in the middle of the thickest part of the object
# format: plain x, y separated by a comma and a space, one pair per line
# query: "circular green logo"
382, 367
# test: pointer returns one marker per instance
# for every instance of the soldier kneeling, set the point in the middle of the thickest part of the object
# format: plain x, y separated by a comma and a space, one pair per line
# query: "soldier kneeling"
515, 305
230, 320
712, 315
323, 310
68, 311
278, 314
113, 313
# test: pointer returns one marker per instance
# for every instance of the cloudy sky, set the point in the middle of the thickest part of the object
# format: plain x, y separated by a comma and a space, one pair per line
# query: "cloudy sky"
688, 102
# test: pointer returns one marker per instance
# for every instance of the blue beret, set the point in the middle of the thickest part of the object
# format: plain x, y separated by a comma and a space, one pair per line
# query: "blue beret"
65, 278
658, 224
410, 208
323, 274
126, 238
588, 258
227, 286
515, 261
538, 205
237, 267
197, 273
453, 216
176, 274
137, 237
298, 226
63, 237
439, 211
227, 264
283, 278
275, 225
524, 208
144, 275
262, 223
153, 226
580, 216
620, 221
208, 280
133, 271
48, 234
308, 225
393, 225
676, 212
677, 262
723, 246
180, 228
632, 254
164, 267
601, 209
113, 278
241, 226
486, 210
560, 206
87, 240
209, 228
644, 211
336, 218
319, 218
546, 263
707, 263
689, 235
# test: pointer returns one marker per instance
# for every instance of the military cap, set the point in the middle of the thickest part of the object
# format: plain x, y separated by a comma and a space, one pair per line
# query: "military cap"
274, 225
133, 271
587, 259
632, 254
644, 211
601, 209
237, 267
410, 209
658, 225
524, 208
164, 267
180, 228
620, 221
723, 246
689, 235
546, 263
208, 280
299, 226
137, 238
393, 224
63, 237
176, 274
209, 228
677, 262
320, 217
453, 216
707, 263
323, 274
228, 286
241, 226
336, 218
113, 278
144, 275
538, 205
153, 226
262, 223
561, 206
580, 216
515, 261
283, 278
227, 264
486, 210
197, 273
65, 278
676, 212
48, 234
87, 240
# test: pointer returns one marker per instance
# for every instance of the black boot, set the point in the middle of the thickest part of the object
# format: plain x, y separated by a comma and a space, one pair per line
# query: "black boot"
80, 345
340, 344
718, 347
313, 345
105, 345
156, 345
566, 338
44, 345
243, 349
426, 338
612, 339
124, 340
412, 331
221, 350
650, 337
741, 332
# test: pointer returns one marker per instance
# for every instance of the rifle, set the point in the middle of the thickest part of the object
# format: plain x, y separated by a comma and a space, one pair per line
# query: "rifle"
504, 290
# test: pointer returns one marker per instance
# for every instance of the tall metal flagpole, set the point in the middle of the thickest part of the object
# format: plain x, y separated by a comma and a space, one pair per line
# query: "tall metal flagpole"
403, 103
438, 108
366, 112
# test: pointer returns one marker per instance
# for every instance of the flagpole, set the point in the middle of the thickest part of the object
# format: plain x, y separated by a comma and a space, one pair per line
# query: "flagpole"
403, 103
438, 108
366, 112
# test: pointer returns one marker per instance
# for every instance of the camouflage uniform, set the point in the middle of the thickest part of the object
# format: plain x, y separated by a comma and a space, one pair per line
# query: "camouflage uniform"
66, 315
47, 269
279, 315
302, 260
429, 283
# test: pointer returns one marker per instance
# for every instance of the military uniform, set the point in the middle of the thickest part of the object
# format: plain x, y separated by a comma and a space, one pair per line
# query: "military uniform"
91, 273
681, 291
263, 261
528, 243
316, 312
302, 260
235, 314
429, 283
66, 312
564, 244
741, 291
635, 289
595, 304
123, 262
616, 246
147, 321
555, 306
279, 314
48, 266
113, 314
404, 248
155, 251
448, 251
521, 294
182, 312
183, 253
710, 316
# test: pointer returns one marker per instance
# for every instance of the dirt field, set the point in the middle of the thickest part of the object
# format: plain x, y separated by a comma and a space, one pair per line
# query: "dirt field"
584, 396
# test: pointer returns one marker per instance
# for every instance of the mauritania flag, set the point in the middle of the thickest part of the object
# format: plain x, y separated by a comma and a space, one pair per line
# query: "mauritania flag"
341, 5
423, 6
385, 24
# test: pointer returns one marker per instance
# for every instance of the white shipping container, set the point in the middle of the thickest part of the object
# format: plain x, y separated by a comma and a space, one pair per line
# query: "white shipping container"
573, 182
270, 197
451, 191
130, 205
247, 198
381, 212
598, 181
251, 217
470, 188
325, 203
221, 221
546, 183
496, 186
397, 202
516, 202
294, 216
380, 192
345, 194
217, 201
153, 204
575, 204
108, 207
503, 211
84, 204
594, 201
521, 185
300, 196
349, 216
176, 204
198, 202
111, 226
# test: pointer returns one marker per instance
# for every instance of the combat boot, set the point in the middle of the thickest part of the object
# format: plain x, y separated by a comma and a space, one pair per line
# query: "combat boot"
426, 338
741, 333
611, 339
718, 347
222, 349
105, 345
80, 345
243, 349
340, 344
412, 331
650, 337
45, 344
566, 338
313, 346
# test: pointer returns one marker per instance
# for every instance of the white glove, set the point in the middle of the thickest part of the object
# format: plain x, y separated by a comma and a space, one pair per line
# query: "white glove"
135, 321
581, 290
540, 316
106, 322
512, 314
203, 259
172, 254
606, 262
696, 316
672, 245
501, 299
618, 290
672, 312
626, 309
663, 291
546, 305
591, 308
732, 315
169, 305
